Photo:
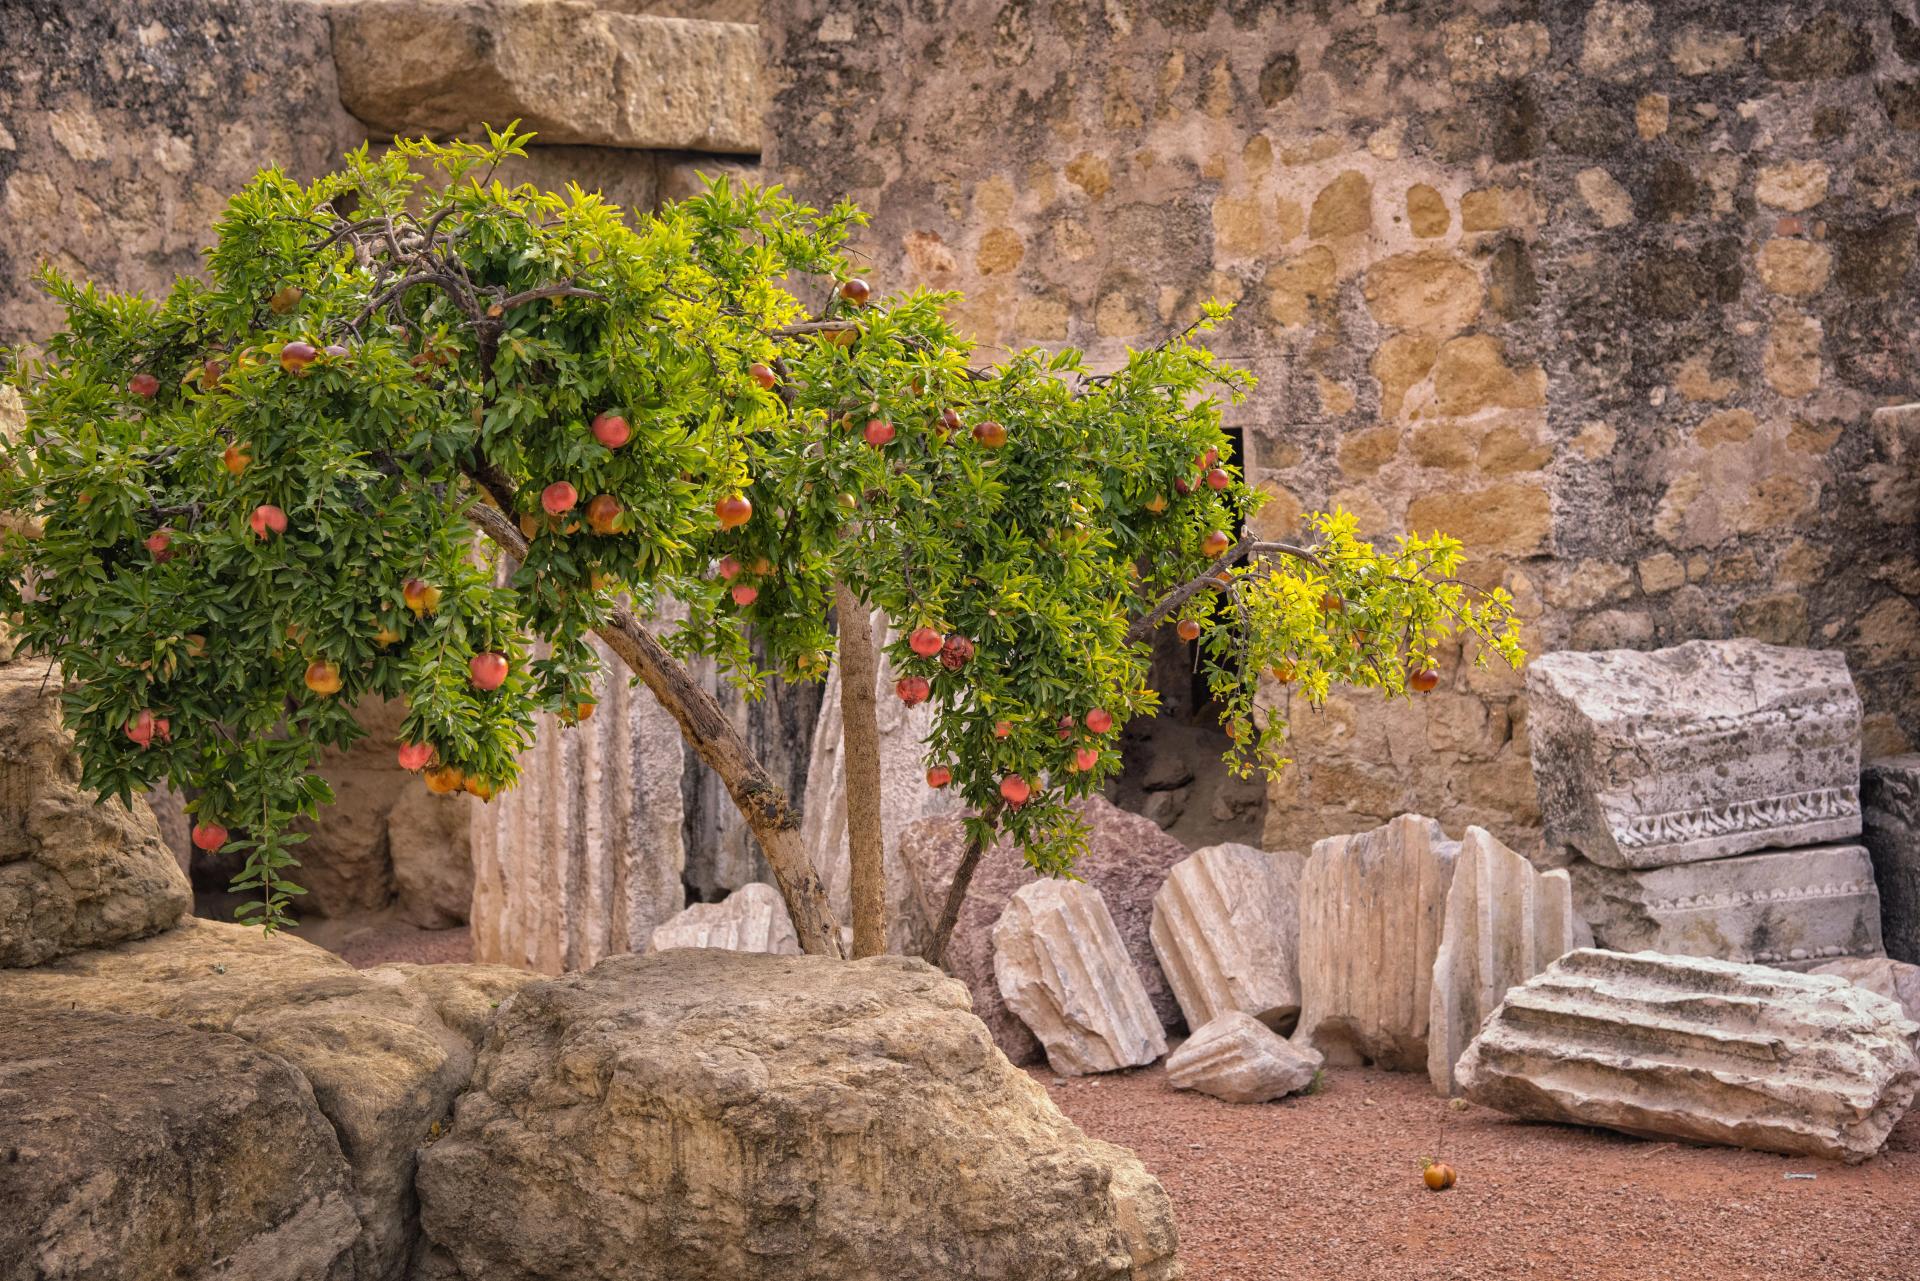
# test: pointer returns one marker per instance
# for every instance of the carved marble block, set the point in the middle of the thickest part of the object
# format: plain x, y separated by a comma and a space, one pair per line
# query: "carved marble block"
1238, 1058
1701, 1050
751, 919
1790, 908
1890, 803
1062, 968
1702, 751
1225, 926
1505, 922
1371, 907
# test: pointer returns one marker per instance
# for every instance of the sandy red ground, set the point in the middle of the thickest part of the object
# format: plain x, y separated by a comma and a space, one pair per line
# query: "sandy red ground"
1327, 1188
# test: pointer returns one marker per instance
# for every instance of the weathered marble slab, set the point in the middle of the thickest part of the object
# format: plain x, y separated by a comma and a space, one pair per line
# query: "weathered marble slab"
1225, 928
1702, 751
751, 919
1239, 1059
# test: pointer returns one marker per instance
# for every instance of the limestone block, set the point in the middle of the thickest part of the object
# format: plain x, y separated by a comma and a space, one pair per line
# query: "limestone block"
430, 843
1898, 981
722, 1116
1701, 751
382, 1066
1890, 811
1371, 909
345, 865
751, 919
465, 996
75, 871
1127, 858
1505, 922
573, 73
1791, 908
1709, 1051
1238, 1058
199, 1156
904, 797
1225, 927
582, 859
1061, 967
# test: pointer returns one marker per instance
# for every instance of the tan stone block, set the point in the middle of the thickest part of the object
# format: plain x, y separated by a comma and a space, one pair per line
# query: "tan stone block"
1609, 201
1074, 239
1699, 52
1778, 501
1398, 363
1479, 53
928, 255
1617, 38
1457, 723
1739, 567
1344, 207
1442, 443
1804, 437
1429, 291
1661, 572
1792, 358
1796, 268
1596, 440
1091, 173
1650, 115
1427, 211
1001, 250
1509, 448
1472, 374
1695, 380
1364, 453
1778, 619
1295, 284
1793, 185
1729, 426
1042, 319
1279, 516
1801, 564
1335, 398
1494, 208
1373, 518
993, 199
1675, 517
1257, 156
1119, 109
1118, 315
1587, 583
1289, 218
1239, 226
1512, 518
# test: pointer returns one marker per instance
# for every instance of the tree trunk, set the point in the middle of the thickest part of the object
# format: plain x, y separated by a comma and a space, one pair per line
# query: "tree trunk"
774, 822
936, 953
860, 757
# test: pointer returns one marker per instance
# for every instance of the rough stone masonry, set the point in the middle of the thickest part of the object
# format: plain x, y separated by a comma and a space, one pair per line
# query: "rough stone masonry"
1609, 290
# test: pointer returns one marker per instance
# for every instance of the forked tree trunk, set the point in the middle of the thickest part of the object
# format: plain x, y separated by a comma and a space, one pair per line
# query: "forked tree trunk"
860, 757
705, 727
936, 953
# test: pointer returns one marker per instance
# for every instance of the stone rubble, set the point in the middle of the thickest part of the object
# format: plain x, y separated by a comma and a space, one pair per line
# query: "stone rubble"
1699, 1049
1505, 921
1239, 1059
1890, 805
1062, 969
1225, 928
751, 919
1371, 910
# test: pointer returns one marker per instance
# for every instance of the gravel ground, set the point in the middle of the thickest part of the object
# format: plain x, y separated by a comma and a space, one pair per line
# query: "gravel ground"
1327, 1187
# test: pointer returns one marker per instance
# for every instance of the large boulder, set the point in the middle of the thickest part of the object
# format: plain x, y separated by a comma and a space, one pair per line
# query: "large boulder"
1239, 1059
753, 918
1371, 910
430, 841
1692, 1048
575, 73
1062, 969
1791, 908
1127, 859
382, 1065
76, 871
465, 996
1505, 922
1890, 829
1701, 751
1225, 928
1895, 980
699, 1114
142, 1148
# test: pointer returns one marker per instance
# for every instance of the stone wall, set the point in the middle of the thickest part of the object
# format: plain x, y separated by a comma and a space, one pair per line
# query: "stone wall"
1608, 290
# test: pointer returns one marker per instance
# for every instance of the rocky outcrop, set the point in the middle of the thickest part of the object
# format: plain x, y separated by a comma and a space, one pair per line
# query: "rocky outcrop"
1371, 910
1698, 1049
751, 919
1701, 751
430, 840
575, 73
1890, 829
345, 864
582, 859
1225, 929
1505, 922
382, 1066
1238, 1058
464, 996
1127, 858
140, 1148
1063, 971
699, 1115
1898, 981
1791, 908
904, 797
76, 871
